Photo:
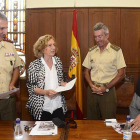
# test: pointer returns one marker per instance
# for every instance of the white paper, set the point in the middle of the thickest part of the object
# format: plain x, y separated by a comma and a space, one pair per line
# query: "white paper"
68, 86
138, 132
6, 95
116, 126
110, 122
44, 128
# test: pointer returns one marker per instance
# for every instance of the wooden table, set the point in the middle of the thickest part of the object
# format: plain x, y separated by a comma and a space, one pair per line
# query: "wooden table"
86, 130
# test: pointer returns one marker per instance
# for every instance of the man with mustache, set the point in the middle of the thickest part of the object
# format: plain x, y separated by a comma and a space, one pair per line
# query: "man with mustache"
9, 71
104, 68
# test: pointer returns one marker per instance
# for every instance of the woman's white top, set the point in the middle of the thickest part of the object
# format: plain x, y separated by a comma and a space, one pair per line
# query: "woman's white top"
51, 82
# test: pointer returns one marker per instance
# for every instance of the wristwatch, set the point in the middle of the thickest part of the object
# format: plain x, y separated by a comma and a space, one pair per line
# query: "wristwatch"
107, 89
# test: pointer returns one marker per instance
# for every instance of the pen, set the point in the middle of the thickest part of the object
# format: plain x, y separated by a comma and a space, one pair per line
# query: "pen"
33, 125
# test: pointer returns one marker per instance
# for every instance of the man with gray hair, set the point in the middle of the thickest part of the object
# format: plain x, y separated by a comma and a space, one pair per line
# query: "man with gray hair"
104, 68
9, 71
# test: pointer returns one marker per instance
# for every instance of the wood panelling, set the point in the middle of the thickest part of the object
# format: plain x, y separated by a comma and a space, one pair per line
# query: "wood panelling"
130, 40
109, 16
63, 35
64, 20
123, 24
130, 35
38, 22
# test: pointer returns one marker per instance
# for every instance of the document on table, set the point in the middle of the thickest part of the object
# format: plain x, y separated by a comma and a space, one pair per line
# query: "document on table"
44, 128
117, 126
6, 95
110, 122
68, 86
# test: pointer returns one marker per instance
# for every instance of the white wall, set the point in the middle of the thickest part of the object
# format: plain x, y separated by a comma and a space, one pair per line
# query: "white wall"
81, 3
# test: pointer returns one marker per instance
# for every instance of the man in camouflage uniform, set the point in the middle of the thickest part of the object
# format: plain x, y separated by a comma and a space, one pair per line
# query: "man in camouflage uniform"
104, 68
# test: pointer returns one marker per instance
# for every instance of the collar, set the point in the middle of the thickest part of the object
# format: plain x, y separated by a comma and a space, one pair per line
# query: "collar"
43, 61
2, 44
107, 47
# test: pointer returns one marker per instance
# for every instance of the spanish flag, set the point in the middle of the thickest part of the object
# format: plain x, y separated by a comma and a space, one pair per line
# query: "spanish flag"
75, 66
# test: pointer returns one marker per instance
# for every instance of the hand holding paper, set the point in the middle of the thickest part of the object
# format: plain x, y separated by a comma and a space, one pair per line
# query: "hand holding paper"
6, 95
68, 86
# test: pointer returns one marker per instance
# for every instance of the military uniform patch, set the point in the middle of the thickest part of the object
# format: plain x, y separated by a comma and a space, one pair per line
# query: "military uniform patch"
92, 48
116, 48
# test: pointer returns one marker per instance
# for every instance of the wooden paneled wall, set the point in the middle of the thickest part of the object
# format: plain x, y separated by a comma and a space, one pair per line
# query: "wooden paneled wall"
124, 27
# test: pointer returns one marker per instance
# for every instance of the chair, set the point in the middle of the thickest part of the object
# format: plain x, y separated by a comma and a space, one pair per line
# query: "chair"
124, 93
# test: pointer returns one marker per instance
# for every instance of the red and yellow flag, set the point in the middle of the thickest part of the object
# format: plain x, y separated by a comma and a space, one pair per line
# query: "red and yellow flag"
75, 66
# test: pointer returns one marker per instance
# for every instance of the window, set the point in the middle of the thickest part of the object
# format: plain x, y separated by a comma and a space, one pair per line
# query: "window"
15, 12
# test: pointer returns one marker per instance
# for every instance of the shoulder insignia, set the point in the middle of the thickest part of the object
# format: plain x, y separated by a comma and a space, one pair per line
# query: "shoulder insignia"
116, 48
7, 40
92, 48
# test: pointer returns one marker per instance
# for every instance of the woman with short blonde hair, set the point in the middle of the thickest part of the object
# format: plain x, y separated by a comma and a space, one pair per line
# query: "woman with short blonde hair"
41, 44
45, 74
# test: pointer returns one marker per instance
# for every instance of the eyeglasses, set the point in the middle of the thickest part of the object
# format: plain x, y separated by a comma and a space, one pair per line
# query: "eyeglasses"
71, 123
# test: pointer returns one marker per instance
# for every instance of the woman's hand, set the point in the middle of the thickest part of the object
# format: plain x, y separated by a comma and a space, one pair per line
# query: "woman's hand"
50, 93
63, 83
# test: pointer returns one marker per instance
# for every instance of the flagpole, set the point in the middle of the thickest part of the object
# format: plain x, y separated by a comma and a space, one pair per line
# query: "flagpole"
74, 3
